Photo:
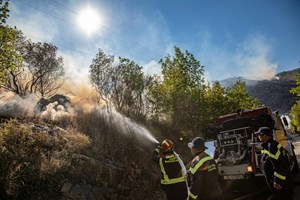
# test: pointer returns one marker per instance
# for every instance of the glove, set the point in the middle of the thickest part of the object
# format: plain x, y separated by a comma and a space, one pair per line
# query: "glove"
157, 149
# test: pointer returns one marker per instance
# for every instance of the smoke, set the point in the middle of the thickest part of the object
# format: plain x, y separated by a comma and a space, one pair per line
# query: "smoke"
12, 105
253, 58
54, 111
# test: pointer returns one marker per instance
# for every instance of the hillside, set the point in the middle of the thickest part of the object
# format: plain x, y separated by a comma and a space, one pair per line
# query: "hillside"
288, 75
79, 152
273, 93
76, 150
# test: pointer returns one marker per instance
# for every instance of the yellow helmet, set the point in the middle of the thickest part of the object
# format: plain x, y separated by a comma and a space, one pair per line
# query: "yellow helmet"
167, 145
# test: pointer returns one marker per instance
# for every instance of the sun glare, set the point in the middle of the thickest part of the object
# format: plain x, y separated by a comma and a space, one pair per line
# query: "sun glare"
89, 20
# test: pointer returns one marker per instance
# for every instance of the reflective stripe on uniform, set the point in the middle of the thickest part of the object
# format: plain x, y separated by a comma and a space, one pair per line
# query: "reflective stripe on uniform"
276, 156
170, 156
279, 176
212, 167
199, 164
157, 150
166, 179
172, 181
193, 196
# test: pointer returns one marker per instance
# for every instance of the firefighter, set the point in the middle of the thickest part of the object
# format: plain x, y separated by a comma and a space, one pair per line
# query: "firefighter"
275, 165
172, 176
203, 174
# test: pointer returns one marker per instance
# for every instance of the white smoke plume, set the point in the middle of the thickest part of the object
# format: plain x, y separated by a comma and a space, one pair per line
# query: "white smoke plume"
12, 105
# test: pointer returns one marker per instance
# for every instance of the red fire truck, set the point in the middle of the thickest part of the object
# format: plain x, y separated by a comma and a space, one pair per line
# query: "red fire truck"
237, 148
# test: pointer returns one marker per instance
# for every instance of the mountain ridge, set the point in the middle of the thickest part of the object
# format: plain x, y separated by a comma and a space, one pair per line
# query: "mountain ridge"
274, 93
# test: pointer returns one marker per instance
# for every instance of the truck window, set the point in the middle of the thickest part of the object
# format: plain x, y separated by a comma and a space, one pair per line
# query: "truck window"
286, 123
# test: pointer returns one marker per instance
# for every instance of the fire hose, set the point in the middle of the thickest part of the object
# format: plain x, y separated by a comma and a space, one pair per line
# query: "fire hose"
183, 170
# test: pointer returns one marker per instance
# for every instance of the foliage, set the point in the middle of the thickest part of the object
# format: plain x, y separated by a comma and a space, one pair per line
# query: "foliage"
3, 11
296, 90
295, 123
239, 98
10, 59
32, 160
217, 102
180, 95
129, 85
101, 72
41, 72
296, 108
221, 101
44, 69
181, 99
122, 84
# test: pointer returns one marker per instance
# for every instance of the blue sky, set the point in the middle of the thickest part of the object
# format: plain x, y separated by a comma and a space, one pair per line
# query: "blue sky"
251, 38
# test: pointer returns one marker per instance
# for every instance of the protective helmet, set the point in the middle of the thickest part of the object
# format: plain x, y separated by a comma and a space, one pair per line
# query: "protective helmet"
264, 131
197, 143
167, 145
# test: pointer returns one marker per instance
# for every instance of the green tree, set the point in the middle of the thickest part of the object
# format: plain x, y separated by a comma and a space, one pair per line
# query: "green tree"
295, 123
295, 110
9, 56
180, 95
217, 102
128, 87
121, 84
13, 74
101, 72
30, 67
239, 98
41, 72
296, 90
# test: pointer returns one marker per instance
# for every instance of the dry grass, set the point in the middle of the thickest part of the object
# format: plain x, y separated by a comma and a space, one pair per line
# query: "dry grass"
39, 156
31, 153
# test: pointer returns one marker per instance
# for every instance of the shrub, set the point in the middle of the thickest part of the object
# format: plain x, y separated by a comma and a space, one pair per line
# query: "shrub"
35, 159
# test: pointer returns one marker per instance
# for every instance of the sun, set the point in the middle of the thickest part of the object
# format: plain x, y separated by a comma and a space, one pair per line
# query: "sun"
89, 20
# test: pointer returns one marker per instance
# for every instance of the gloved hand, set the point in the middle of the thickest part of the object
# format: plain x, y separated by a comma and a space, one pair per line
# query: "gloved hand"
277, 186
157, 149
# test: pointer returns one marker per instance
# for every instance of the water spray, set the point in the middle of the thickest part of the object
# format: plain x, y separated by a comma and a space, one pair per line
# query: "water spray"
127, 125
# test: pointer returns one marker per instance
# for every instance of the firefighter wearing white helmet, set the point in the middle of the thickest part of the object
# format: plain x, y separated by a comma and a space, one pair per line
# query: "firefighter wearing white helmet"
172, 176
203, 173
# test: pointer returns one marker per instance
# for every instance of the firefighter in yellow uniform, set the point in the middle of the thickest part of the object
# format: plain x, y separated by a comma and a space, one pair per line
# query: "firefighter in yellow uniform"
172, 176
203, 174
275, 165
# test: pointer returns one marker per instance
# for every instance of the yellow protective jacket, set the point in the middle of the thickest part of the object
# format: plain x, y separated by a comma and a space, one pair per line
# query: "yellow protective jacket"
170, 168
275, 162
203, 177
